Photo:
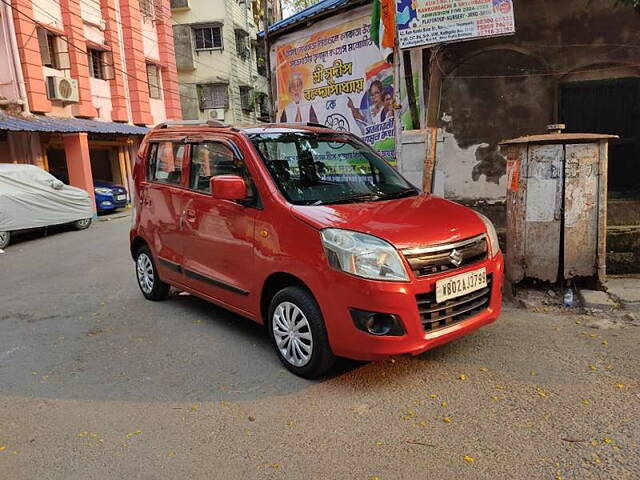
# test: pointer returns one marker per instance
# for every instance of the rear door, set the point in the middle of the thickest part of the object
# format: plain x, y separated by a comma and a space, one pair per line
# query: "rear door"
219, 234
162, 199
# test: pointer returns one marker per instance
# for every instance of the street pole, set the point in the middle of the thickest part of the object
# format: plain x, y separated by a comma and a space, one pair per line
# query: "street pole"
433, 117
267, 58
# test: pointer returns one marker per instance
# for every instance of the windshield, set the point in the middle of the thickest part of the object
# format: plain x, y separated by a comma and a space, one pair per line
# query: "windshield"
319, 169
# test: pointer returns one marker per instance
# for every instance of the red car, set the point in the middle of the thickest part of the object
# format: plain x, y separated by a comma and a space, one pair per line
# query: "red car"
310, 232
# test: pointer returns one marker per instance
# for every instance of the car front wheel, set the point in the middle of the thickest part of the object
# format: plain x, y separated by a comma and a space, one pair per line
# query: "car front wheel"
298, 333
5, 238
150, 284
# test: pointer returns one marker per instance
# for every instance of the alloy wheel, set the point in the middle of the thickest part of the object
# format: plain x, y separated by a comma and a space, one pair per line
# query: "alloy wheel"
292, 334
145, 273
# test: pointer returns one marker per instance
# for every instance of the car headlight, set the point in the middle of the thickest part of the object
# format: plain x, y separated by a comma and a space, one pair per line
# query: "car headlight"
103, 191
363, 255
491, 232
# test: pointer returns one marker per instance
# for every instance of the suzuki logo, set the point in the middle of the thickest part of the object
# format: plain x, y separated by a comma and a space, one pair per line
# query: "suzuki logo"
455, 257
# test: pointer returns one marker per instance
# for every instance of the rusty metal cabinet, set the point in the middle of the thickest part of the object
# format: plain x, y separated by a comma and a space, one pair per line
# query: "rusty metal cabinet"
556, 206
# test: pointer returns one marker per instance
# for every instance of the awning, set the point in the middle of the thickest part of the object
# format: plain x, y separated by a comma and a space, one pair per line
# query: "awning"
40, 123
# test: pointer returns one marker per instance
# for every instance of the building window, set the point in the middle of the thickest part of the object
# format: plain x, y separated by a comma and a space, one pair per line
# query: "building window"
179, 3
54, 51
153, 79
242, 44
213, 95
246, 100
261, 62
100, 64
263, 104
147, 9
208, 38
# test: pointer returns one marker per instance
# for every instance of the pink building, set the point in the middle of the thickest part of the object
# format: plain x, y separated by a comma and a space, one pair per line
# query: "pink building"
80, 80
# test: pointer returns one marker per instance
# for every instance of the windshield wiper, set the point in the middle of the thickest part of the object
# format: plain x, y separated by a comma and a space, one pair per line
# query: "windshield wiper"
409, 192
371, 197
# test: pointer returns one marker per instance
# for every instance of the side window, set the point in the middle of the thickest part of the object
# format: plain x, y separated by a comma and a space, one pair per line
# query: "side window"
165, 162
211, 159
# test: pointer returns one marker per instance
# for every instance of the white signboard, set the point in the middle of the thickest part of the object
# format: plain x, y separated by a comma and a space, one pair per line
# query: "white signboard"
428, 22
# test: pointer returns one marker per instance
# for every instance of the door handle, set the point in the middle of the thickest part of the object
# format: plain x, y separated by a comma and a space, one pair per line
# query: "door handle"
190, 214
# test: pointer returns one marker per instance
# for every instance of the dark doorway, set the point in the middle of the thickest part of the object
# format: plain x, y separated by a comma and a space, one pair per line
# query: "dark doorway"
613, 107
58, 164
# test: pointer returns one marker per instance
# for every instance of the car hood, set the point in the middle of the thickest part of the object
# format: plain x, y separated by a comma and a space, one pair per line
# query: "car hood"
105, 184
405, 223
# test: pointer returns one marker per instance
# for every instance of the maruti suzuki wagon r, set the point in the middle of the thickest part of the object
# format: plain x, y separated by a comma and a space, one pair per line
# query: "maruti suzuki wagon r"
310, 232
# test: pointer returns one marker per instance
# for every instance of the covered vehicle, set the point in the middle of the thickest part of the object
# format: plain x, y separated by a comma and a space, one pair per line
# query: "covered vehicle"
32, 198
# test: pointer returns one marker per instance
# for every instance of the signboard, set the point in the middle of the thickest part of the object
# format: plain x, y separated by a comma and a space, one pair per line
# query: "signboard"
428, 22
338, 77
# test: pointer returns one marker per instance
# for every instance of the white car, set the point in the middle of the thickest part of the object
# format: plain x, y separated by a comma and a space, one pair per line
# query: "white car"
32, 198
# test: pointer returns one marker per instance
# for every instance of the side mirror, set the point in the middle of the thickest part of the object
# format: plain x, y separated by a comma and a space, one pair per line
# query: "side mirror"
228, 187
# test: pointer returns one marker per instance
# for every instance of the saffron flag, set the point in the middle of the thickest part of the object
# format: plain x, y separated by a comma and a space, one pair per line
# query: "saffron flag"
383, 26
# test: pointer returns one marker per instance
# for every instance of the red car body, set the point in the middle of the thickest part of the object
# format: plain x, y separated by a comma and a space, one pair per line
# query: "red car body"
235, 255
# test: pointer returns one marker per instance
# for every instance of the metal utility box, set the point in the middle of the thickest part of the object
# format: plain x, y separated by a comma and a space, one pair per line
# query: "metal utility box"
556, 206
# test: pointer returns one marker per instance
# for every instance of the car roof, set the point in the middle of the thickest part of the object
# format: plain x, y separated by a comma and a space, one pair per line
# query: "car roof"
198, 126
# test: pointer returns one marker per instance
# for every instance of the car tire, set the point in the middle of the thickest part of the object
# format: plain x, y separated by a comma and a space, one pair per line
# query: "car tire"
82, 224
5, 238
298, 333
149, 282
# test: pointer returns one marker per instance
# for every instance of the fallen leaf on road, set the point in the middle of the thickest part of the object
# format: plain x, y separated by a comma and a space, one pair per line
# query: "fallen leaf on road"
3, 448
469, 459
607, 440
252, 419
484, 369
594, 443
446, 420
171, 454
620, 385
605, 343
194, 408
423, 423
541, 392
137, 432
585, 402
291, 423
533, 373
462, 376
379, 443
433, 395
275, 466
443, 404
593, 367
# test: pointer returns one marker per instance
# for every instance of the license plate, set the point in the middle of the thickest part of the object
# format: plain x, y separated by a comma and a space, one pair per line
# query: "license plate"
121, 197
459, 285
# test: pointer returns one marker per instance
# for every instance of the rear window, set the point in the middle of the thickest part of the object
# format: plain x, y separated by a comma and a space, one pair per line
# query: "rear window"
165, 162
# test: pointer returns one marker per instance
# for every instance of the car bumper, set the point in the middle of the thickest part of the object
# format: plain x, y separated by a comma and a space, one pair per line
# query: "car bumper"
400, 299
109, 203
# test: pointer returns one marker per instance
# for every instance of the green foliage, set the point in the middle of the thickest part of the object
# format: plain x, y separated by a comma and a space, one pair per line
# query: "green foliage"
289, 7
629, 3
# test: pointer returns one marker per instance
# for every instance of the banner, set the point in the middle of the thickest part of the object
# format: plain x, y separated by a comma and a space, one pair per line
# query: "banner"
428, 22
338, 77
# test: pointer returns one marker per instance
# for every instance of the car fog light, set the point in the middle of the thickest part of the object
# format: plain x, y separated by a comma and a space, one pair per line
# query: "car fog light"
378, 324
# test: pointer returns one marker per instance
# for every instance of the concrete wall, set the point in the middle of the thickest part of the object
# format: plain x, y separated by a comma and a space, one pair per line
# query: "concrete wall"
506, 87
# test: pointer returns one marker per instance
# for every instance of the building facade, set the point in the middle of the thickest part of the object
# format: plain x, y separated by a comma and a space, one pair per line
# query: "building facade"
81, 80
220, 64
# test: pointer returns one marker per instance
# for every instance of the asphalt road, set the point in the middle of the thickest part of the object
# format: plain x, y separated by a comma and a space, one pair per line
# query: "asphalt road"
98, 383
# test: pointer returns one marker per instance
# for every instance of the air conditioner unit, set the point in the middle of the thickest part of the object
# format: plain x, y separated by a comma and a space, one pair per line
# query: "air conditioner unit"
214, 114
62, 88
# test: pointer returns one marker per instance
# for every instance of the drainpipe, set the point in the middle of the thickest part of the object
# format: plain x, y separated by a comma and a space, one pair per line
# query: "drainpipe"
10, 39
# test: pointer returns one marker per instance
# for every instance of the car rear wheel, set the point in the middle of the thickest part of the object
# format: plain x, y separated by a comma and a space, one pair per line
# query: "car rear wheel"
298, 333
5, 238
82, 224
150, 284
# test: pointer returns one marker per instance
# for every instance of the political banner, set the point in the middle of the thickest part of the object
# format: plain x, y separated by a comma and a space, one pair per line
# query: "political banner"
339, 78
429, 22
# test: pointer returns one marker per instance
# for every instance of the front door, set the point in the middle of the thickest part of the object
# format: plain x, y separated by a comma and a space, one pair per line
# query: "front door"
218, 234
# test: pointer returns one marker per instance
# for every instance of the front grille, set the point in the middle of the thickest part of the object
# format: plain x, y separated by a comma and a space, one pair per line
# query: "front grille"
438, 315
443, 258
